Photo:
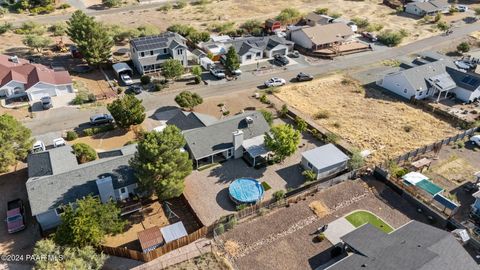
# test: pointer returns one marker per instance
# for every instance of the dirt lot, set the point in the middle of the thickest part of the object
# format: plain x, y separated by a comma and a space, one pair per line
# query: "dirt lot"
207, 261
108, 140
367, 119
12, 186
283, 239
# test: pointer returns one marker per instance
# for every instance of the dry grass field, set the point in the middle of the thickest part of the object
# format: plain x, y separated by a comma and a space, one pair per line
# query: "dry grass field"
369, 120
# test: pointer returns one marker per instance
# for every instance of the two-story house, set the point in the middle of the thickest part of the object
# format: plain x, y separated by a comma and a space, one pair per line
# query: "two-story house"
150, 52
55, 179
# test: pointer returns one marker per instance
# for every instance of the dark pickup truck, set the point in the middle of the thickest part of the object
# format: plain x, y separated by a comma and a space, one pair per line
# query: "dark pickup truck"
15, 216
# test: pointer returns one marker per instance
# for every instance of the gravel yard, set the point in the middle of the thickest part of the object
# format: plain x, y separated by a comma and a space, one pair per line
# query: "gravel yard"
366, 118
283, 239
207, 190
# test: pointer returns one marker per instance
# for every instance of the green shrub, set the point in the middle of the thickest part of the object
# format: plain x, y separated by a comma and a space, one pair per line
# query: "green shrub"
460, 144
165, 8
5, 27
71, 135
279, 194
321, 237
198, 79
264, 99
463, 47
268, 116
309, 175
145, 79
321, 11
266, 186
84, 152
400, 172
96, 130
241, 207
362, 23
64, 6
284, 111
220, 229
356, 160
30, 28
181, 4
158, 87
374, 27
391, 38
288, 15
301, 124
335, 15
58, 29
331, 137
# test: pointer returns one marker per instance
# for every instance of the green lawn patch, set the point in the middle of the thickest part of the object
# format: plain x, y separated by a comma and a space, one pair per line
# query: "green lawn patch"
359, 218
266, 186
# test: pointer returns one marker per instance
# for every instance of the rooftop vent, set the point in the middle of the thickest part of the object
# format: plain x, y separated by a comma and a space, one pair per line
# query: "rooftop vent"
249, 120
13, 59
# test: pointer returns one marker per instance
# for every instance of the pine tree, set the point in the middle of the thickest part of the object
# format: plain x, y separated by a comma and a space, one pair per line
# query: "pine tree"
232, 62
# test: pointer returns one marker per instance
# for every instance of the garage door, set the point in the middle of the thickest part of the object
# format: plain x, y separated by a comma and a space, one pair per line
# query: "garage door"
37, 95
281, 52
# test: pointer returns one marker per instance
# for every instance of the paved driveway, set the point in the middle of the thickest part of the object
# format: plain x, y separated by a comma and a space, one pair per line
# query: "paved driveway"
207, 191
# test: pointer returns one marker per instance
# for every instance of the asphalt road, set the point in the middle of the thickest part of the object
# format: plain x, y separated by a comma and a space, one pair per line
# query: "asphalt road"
68, 117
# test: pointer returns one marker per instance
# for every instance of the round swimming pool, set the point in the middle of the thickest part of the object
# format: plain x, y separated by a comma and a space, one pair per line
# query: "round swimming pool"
246, 190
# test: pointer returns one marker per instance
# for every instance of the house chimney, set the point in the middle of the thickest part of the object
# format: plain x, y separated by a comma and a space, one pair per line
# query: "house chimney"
237, 144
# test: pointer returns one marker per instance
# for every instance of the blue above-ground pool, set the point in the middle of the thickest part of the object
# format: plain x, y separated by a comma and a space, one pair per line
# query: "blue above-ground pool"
246, 190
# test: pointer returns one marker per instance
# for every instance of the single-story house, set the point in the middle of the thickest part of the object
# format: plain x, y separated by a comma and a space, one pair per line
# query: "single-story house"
150, 52
182, 119
324, 161
428, 77
431, 8
250, 49
228, 138
55, 179
414, 245
19, 77
321, 36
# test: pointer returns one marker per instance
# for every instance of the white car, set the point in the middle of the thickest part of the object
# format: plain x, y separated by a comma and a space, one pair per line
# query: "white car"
38, 146
275, 82
217, 73
462, 8
475, 139
126, 79
58, 142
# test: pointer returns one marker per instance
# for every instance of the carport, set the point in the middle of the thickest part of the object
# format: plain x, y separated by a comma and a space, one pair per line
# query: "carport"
122, 67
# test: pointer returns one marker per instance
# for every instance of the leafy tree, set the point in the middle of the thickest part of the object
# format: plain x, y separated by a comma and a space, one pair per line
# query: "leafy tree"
437, 17
284, 111
15, 141
37, 42
58, 29
268, 116
362, 23
84, 152
197, 70
172, 68
112, 3
197, 37
283, 140
187, 99
288, 15
66, 257
463, 47
232, 61
301, 124
251, 25
93, 39
127, 111
442, 26
145, 79
88, 222
159, 163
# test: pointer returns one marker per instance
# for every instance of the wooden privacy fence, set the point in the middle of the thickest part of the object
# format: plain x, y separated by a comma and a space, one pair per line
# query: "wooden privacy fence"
151, 255
431, 147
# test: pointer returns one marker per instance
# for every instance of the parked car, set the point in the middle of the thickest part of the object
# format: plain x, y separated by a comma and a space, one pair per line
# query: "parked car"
275, 82
462, 8
217, 72
134, 89
100, 119
46, 102
58, 142
303, 77
236, 72
475, 139
370, 36
38, 146
15, 216
126, 79
294, 54
280, 60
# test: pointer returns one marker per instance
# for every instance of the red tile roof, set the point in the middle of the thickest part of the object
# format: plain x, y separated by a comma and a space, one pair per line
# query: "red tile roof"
30, 74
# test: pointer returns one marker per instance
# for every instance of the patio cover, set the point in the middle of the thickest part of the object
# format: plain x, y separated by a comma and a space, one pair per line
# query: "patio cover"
255, 146
429, 187
173, 232
121, 67
414, 177
445, 202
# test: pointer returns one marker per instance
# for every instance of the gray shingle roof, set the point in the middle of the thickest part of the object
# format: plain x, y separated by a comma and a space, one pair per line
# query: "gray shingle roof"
325, 156
468, 81
415, 246
54, 161
185, 120
163, 40
243, 45
217, 137
417, 76
50, 191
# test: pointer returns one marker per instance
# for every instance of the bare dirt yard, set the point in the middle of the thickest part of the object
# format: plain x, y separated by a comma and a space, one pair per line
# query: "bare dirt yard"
108, 140
366, 118
285, 239
207, 261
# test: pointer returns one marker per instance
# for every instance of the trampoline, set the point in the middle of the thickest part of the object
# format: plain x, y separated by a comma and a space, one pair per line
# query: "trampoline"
246, 190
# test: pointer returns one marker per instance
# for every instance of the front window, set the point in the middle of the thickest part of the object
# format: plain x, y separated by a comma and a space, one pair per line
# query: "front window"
123, 190
14, 218
59, 211
249, 57
309, 165
258, 54
165, 51
142, 54
180, 51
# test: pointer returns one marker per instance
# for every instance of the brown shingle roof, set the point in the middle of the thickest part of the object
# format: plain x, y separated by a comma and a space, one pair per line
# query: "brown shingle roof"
329, 33
150, 237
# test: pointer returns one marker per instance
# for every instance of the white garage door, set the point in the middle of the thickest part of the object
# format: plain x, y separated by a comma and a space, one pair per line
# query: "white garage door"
37, 95
281, 52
